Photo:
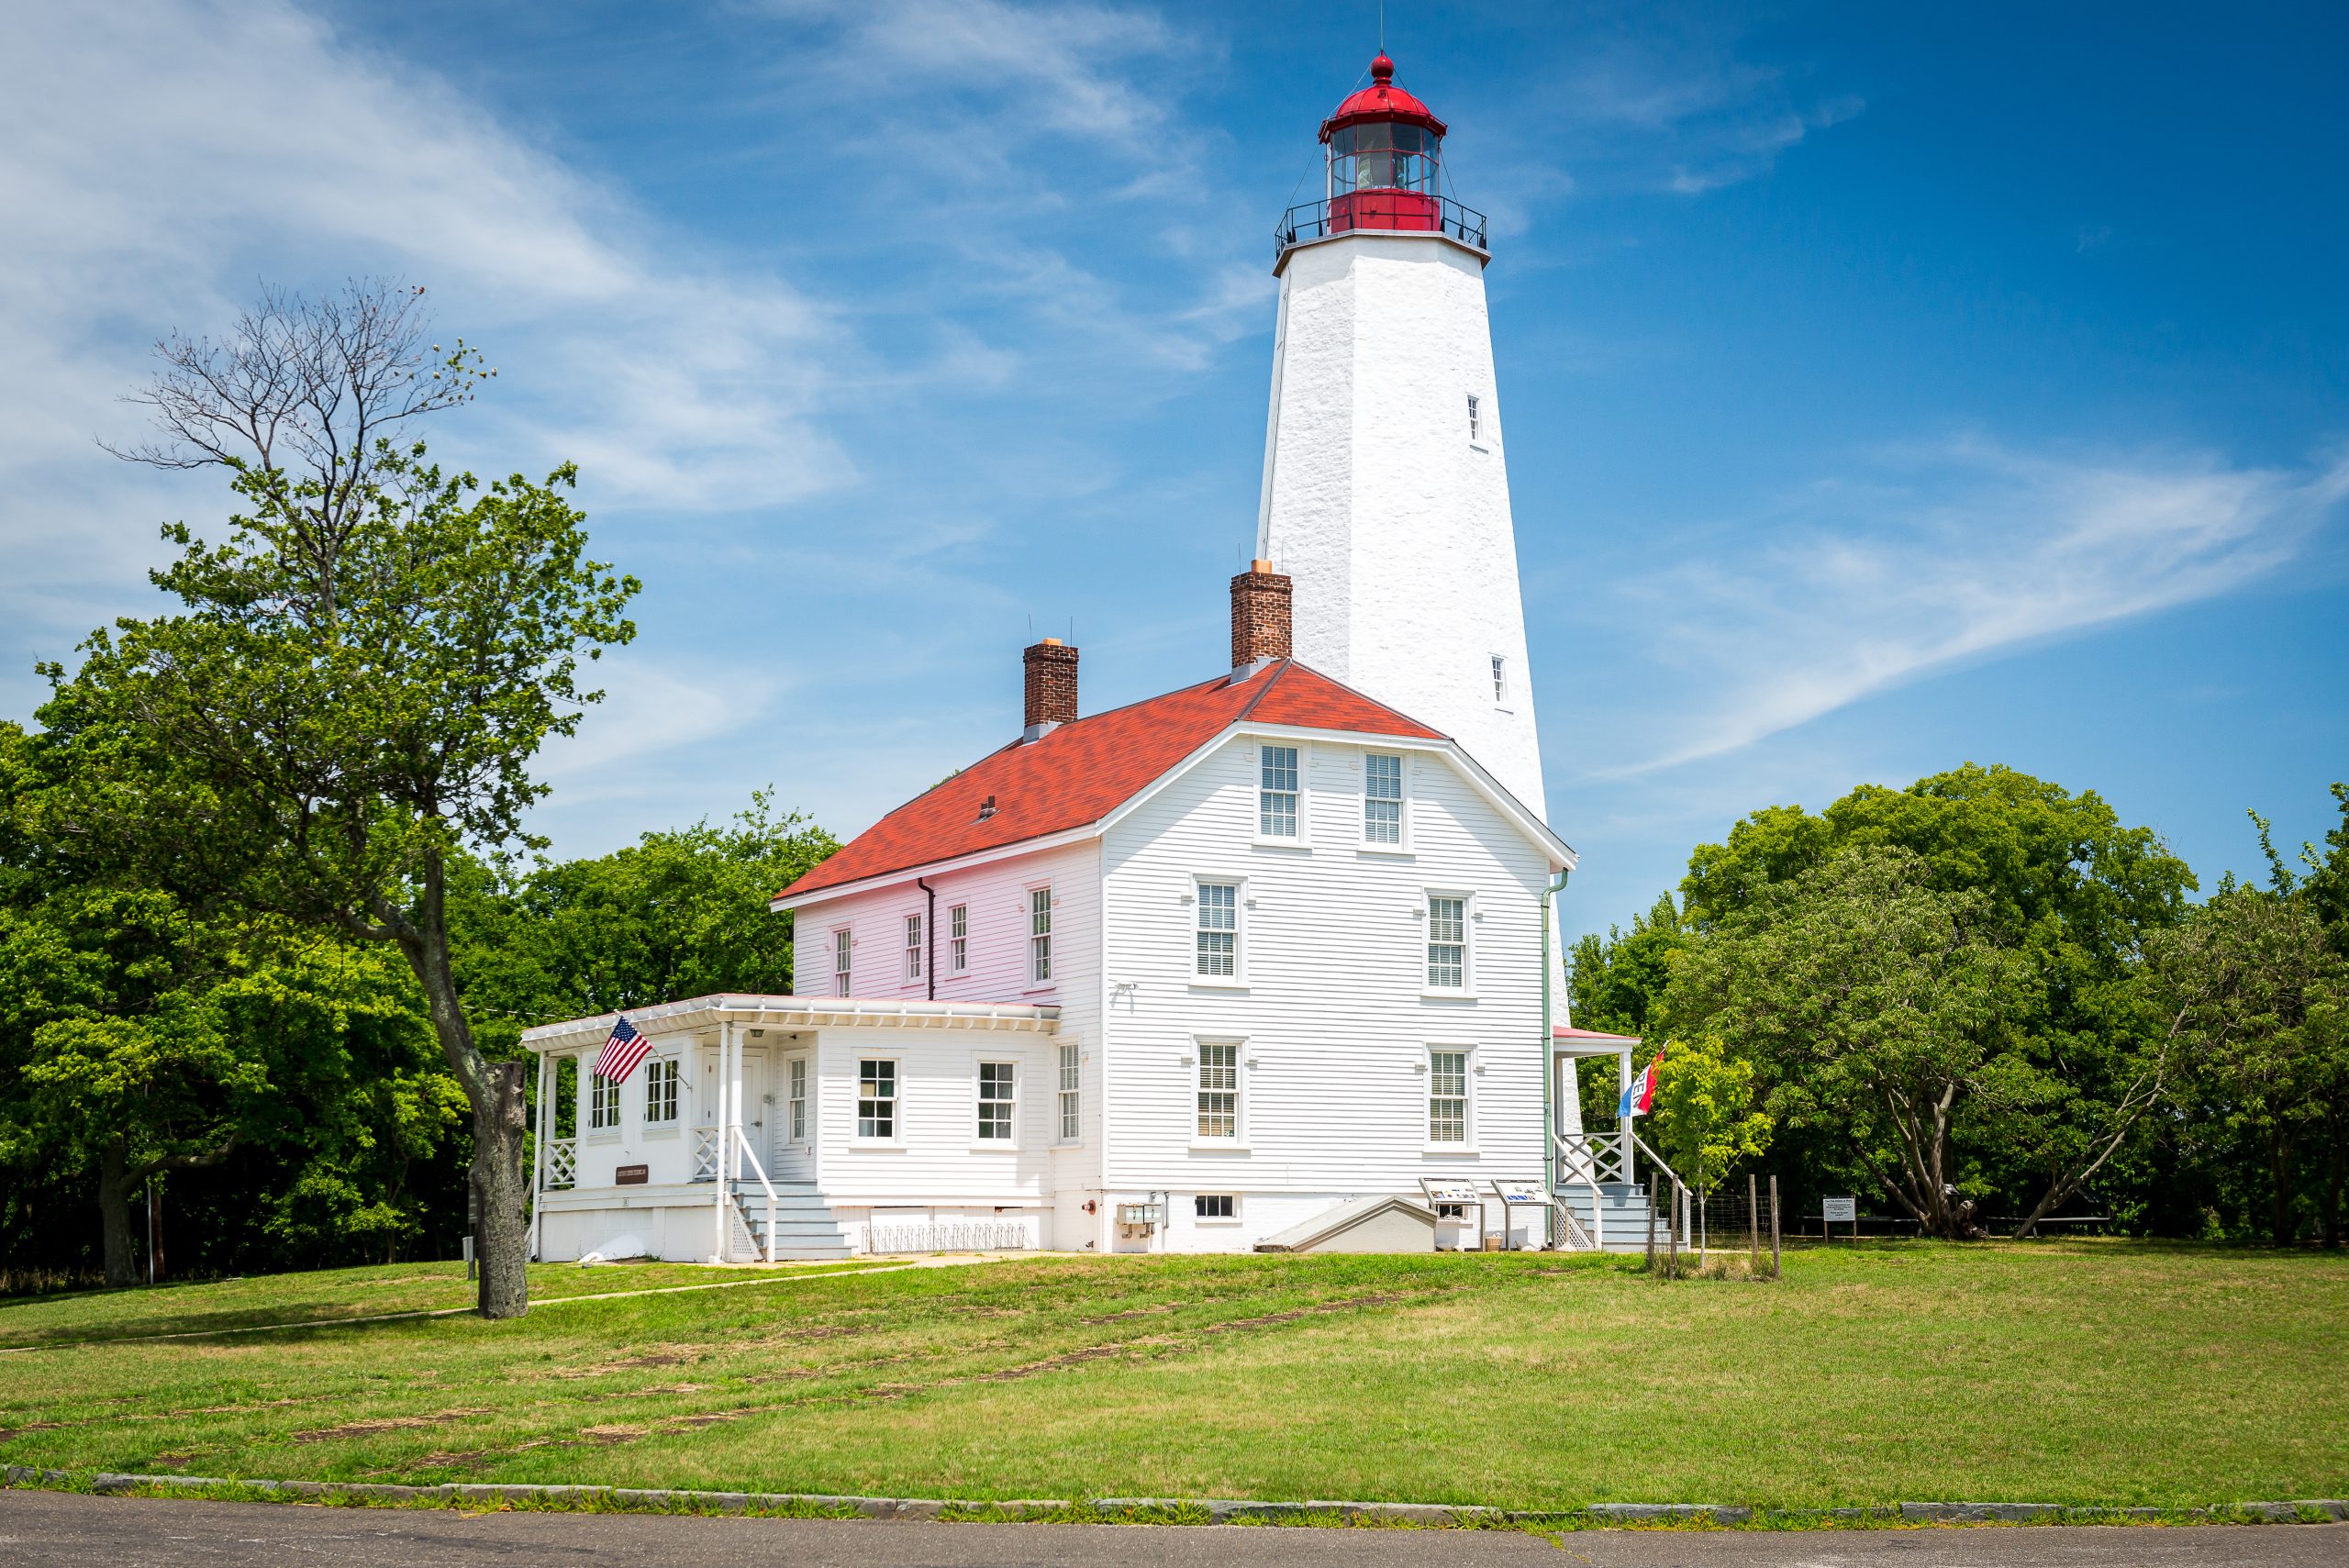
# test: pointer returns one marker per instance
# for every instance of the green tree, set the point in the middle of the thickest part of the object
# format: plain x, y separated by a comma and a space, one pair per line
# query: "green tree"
1705, 1114
1873, 1001
1615, 983
2063, 884
354, 690
679, 912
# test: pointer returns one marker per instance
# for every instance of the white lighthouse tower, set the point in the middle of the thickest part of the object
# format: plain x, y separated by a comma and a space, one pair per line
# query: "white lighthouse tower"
1385, 495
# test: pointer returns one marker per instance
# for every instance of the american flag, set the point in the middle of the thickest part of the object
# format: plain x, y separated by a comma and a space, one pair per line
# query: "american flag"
621, 1052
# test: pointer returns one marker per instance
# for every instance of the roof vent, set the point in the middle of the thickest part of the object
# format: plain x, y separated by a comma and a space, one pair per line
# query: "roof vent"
986, 808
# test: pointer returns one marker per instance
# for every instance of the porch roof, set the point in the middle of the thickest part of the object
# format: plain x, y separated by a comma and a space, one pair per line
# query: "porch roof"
797, 1012
1567, 1041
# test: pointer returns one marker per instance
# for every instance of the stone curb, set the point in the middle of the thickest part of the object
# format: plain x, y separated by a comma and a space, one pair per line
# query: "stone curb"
1215, 1510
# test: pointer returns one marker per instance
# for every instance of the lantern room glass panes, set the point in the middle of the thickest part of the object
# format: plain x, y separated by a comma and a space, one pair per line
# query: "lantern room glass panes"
1383, 158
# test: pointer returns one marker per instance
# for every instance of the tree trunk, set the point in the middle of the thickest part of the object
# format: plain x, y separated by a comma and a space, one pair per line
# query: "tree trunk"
115, 1183
2336, 1126
502, 1242
2279, 1175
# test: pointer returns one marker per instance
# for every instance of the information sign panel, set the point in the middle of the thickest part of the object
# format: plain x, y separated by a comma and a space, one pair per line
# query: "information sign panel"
1843, 1209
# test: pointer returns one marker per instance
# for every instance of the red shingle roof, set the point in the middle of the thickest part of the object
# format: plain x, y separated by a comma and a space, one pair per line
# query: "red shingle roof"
1082, 771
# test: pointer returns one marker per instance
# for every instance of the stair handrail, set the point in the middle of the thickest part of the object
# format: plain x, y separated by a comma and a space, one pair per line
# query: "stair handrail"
1578, 1157
1679, 1219
744, 1143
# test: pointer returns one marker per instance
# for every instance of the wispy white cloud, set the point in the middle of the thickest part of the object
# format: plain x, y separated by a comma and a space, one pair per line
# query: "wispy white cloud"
1937, 557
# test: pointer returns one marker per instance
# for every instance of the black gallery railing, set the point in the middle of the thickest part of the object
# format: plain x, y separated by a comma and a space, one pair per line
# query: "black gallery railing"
1379, 211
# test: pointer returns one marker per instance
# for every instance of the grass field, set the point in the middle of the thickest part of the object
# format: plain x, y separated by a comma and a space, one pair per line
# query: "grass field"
2087, 1372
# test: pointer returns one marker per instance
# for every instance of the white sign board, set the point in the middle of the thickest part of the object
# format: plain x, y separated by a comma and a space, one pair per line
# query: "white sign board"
1449, 1192
1841, 1208
1517, 1194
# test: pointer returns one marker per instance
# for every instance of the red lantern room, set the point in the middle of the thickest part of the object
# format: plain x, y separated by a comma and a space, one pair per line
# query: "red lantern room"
1385, 148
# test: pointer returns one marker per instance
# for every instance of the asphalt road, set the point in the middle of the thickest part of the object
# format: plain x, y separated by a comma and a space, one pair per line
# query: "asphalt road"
51, 1528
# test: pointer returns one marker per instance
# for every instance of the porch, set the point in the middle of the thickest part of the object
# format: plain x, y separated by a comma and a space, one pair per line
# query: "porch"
737, 1138
1614, 1194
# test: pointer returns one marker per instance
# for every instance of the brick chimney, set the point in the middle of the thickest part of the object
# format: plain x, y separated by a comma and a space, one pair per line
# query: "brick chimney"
1260, 598
1051, 688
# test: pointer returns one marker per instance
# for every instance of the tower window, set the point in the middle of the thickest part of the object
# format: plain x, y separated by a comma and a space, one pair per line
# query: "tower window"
1500, 679
1476, 418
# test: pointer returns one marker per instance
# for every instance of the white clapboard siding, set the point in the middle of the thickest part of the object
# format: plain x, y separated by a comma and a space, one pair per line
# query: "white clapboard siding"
937, 1159
1335, 1024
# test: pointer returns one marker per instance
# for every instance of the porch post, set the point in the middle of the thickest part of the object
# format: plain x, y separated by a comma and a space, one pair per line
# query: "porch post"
538, 1175
1623, 1123
717, 1171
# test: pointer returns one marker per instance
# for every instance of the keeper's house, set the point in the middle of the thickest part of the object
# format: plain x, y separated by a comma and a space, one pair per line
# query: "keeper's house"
1259, 962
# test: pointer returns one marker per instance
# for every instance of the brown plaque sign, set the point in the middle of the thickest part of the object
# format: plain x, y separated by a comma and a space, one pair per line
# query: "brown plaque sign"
632, 1176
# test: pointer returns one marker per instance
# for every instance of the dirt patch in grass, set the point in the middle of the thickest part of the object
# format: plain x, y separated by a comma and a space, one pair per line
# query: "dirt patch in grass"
369, 1429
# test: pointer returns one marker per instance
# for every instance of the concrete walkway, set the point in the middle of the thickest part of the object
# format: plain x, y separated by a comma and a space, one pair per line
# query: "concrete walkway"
51, 1528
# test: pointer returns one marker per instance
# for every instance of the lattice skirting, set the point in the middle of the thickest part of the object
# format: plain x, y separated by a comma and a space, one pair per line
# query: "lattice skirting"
953, 1236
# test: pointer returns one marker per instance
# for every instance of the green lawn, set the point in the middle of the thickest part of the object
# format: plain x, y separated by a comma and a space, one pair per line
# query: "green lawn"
2087, 1373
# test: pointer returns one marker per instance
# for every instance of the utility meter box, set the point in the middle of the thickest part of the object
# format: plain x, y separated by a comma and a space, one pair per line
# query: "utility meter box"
1141, 1218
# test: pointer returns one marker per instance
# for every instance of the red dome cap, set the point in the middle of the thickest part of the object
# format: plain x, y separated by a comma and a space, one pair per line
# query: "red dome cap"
1381, 100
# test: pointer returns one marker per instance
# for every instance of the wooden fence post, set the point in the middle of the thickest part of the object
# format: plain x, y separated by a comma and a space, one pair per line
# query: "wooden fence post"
1651, 1226
1753, 1220
1671, 1232
1776, 1271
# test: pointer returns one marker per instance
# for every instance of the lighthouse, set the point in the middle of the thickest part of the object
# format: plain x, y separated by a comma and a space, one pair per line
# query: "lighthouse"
1386, 489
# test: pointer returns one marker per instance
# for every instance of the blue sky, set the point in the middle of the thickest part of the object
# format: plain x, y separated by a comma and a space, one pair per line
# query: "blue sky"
1888, 387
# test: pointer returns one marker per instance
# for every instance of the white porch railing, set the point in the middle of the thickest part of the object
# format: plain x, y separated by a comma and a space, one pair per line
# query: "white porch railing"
744, 1145
1588, 1162
562, 1162
705, 1154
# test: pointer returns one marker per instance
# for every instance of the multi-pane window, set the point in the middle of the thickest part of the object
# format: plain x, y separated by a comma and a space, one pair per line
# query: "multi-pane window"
1475, 416
1039, 934
839, 961
1071, 1128
958, 937
1218, 1089
876, 1098
661, 1089
1214, 1206
1218, 933
1382, 799
994, 1102
1447, 943
1447, 1097
1500, 679
913, 947
602, 1102
797, 1105
1276, 801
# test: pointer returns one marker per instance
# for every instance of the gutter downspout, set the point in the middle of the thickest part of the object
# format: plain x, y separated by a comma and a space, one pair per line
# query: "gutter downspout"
1549, 1063
929, 936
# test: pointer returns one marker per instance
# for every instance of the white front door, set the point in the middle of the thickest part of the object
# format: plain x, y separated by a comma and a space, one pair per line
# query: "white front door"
758, 1112
795, 1112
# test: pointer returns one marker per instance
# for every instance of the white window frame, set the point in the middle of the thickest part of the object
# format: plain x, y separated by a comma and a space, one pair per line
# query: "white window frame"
1200, 1201
1476, 420
1267, 794
1401, 844
896, 1100
1038, 908
795, 1080
958, 937
843, 958
1069, 1094
913, 948
1467, 943
603, 1100
1209, 1056
1466, 1096
1503, 681
981, 1119
663, 1091
1200, 882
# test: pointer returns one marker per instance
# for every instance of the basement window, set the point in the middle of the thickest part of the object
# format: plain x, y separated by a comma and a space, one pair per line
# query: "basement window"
1214, 1206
